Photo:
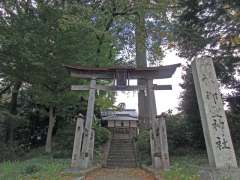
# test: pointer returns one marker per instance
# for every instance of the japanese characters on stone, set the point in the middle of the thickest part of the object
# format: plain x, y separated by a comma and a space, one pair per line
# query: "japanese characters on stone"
215, 102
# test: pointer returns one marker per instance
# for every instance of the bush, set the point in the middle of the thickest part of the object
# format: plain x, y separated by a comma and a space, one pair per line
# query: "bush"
63, 140
31, 169
143, 147
11, 152
102, 135
177, 133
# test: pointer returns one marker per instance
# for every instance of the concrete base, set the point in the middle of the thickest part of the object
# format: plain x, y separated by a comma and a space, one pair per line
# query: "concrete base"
220, 174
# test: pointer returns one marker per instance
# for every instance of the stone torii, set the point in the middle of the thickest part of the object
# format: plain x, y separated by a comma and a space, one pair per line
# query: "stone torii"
84, 136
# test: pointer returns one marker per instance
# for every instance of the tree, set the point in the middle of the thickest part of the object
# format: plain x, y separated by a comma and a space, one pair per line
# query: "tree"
209, 29
189, 107
206, 28
36, 42
234, 112
61, 43
16, 27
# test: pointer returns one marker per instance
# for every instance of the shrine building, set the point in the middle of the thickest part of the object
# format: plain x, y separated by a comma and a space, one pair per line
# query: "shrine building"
123, 121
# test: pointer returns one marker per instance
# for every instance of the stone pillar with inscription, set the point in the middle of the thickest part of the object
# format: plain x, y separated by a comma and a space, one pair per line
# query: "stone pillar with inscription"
221, 155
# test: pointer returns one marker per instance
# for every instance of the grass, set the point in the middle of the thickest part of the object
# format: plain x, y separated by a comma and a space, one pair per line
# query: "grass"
185, 167
44, 167
40, 168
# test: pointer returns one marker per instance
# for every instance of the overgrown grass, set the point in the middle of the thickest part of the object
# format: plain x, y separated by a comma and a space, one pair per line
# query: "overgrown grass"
186, 167
42, 168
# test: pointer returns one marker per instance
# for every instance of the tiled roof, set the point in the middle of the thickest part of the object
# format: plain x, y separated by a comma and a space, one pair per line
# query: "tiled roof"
127, 114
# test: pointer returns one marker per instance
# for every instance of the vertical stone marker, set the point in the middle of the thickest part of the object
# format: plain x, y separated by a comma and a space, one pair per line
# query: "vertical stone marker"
162, 129
218, 140
77, 142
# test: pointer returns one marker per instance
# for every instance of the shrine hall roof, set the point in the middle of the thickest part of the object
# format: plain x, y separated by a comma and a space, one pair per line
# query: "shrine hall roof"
159, 72
124, 115
119, 118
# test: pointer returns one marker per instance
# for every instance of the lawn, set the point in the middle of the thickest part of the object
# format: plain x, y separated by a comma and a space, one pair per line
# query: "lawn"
45, 167
185, 167
42, 168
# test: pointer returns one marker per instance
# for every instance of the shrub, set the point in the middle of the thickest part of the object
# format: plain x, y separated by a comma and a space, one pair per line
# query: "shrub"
31, 169
102, 135
63, 140
143, 147
177, 133
11, 152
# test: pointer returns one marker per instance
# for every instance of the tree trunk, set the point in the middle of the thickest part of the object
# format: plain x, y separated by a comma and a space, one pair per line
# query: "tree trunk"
52, 119
141, 62
13, 110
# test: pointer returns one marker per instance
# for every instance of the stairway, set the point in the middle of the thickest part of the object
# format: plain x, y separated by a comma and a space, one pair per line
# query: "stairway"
121, 153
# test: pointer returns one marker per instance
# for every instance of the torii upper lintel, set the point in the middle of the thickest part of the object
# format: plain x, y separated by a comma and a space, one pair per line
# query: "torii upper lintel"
160, 72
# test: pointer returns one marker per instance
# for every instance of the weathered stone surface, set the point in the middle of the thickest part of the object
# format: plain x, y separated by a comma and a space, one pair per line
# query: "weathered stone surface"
122, 153
154, 133
159, 144
91, 146
164, 154
85, 158
77, 142
215, 126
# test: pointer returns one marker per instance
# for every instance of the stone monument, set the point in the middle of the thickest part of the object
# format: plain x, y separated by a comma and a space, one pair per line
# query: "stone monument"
221, 155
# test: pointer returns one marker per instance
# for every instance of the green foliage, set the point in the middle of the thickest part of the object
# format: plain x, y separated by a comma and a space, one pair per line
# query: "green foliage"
31, 169
190, 110
43, 167
10, 152
63, 140
186, 167
143, 147
234, 125
98, 155
206, 29
102, 135
177, 133
38, 38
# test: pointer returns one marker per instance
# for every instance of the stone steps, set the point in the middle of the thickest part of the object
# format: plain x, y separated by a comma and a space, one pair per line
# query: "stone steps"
121, 165
121, 154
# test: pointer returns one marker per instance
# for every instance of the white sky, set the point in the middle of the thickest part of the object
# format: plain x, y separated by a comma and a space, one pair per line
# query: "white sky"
165, 100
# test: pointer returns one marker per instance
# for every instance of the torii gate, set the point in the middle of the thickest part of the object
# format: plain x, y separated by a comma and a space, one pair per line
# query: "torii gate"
84, 136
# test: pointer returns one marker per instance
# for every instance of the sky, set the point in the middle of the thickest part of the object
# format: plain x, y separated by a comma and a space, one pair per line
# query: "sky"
165, 100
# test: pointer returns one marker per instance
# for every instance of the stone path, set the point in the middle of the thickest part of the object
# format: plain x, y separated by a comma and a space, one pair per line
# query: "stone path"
120, 174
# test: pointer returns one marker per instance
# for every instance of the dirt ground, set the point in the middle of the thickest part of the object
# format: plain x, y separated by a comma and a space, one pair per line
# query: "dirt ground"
120, 174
